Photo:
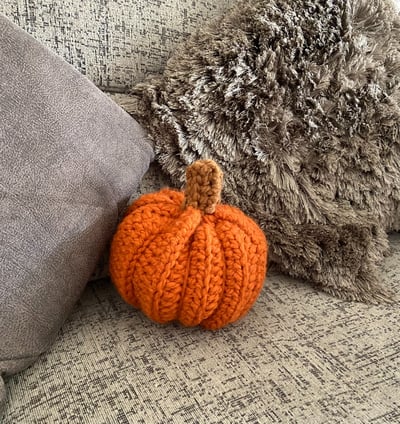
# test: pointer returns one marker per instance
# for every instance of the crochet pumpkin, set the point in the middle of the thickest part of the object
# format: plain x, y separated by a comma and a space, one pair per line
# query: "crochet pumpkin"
185, 257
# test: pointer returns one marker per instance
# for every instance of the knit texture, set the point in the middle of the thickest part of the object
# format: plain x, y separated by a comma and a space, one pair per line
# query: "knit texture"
183, 257
203, 186
298, 101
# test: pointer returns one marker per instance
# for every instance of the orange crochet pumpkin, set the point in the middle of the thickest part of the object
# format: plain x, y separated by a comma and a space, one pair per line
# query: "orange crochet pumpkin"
185, 257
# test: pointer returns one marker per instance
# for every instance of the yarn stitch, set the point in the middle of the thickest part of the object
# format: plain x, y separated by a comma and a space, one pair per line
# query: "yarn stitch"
185, 257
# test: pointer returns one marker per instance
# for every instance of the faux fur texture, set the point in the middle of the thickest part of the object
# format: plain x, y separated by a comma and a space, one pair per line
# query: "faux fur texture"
298, 101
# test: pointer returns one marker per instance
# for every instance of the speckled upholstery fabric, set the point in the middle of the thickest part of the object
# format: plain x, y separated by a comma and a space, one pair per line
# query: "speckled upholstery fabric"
113, 42
299, 356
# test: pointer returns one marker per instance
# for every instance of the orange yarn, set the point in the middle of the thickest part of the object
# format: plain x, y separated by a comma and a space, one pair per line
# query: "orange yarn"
185, 257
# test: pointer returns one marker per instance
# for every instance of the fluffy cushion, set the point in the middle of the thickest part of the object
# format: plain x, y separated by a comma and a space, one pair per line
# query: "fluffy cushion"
298, 101
69, 159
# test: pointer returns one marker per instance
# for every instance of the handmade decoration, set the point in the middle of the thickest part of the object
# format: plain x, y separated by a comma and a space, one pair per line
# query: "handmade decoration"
185, 257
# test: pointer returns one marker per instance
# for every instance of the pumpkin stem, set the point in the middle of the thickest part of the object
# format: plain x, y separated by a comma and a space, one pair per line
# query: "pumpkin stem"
203, 186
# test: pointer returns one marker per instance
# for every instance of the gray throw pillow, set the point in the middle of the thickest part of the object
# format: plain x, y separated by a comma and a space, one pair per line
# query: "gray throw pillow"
69, 159
298, 102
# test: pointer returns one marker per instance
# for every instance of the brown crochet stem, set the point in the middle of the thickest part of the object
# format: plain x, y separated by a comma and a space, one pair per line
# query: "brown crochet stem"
203, 186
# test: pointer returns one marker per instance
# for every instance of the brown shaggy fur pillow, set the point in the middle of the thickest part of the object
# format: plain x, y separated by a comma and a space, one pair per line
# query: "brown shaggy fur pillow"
298, 101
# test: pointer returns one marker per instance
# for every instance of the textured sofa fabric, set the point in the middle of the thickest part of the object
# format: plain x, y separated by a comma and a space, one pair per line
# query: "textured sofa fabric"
116, 42
299, 356
70, 158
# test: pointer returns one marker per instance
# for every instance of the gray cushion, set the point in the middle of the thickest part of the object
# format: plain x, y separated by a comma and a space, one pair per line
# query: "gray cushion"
69, 159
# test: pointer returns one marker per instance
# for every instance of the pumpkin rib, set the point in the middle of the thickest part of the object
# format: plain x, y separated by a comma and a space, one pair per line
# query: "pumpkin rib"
204, 283
165, 196
129, 243
248, 284
218, 271
246, 224
158, 265
185, 282
257, 238
232, 298
256, 281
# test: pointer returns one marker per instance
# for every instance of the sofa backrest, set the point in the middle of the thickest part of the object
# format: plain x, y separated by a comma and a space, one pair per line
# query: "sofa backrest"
114, 43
